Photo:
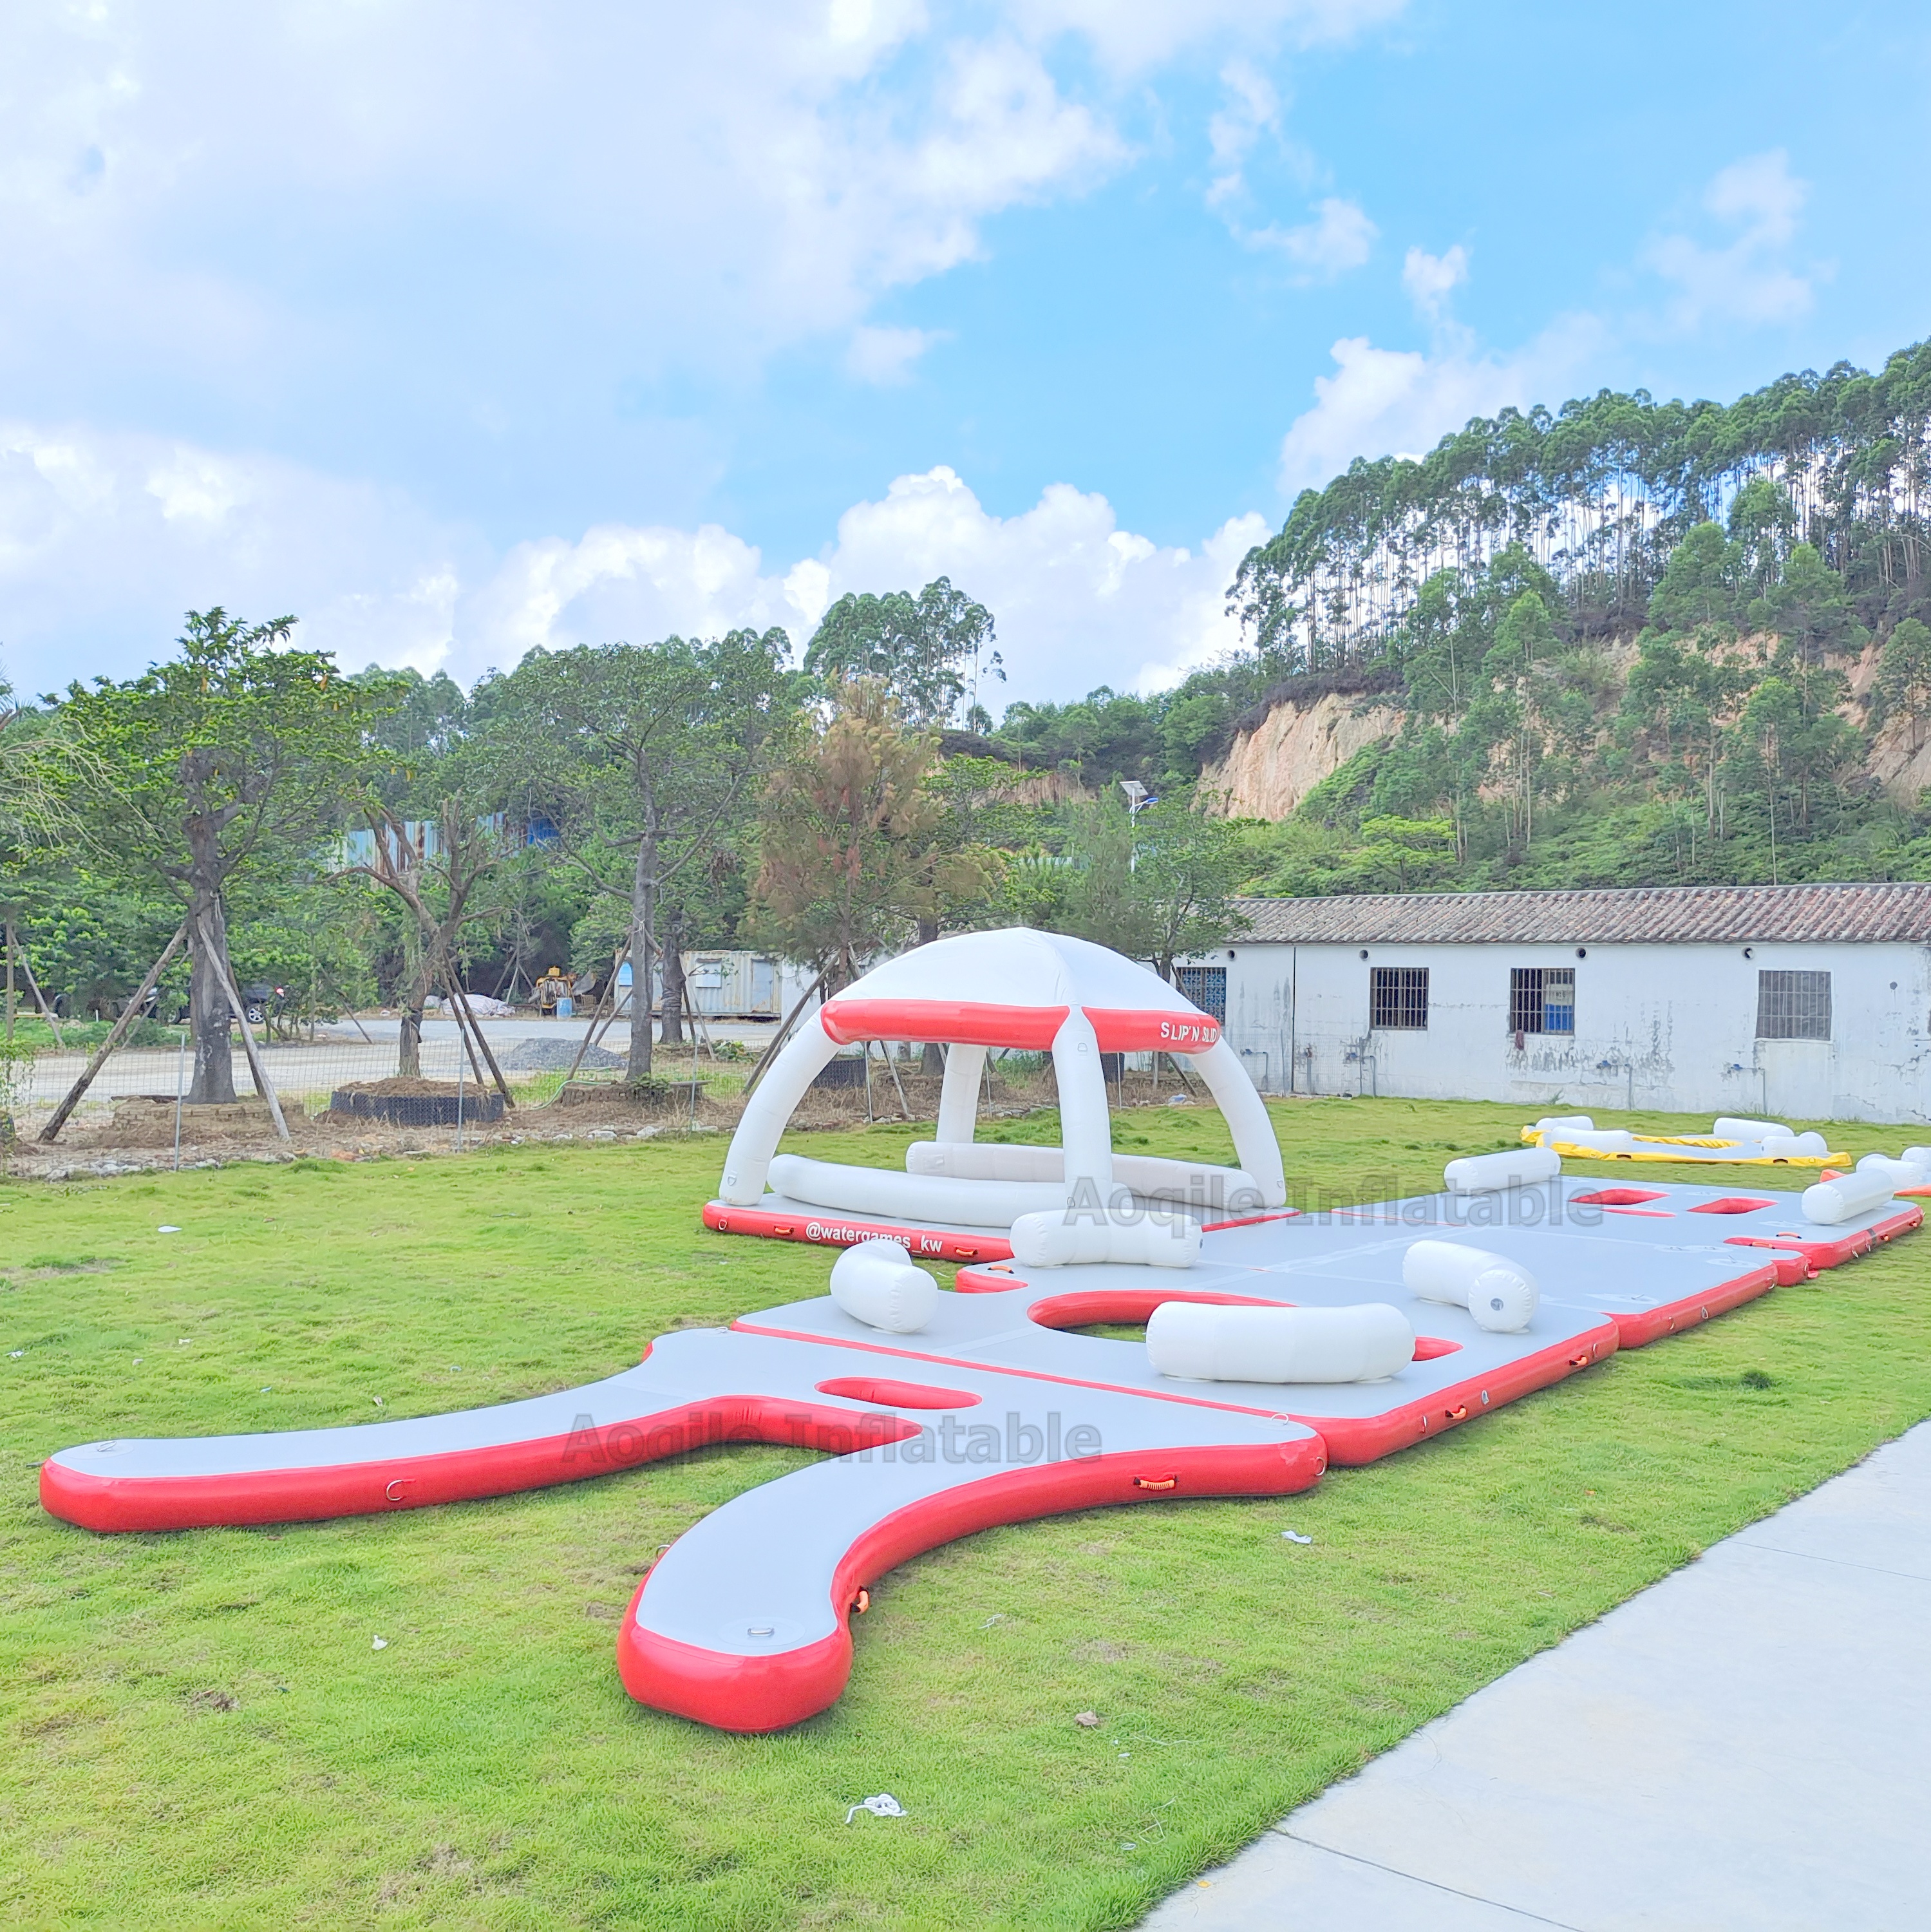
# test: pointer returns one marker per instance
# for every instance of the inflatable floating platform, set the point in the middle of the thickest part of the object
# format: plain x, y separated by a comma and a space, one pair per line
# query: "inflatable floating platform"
1275, 1342
994, 1411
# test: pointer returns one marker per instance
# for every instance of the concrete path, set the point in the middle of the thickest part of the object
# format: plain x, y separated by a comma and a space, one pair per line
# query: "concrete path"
1746, 1745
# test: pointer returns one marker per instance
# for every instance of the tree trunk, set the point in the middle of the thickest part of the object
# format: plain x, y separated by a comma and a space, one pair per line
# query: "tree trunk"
213, 1081
414, 995
672, 1032
643, 952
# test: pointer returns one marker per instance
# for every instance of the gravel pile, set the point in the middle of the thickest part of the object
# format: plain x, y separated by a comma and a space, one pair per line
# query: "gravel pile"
553, 1056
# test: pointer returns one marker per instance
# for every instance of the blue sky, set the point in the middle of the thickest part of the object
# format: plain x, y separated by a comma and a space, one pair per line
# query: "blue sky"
457, 328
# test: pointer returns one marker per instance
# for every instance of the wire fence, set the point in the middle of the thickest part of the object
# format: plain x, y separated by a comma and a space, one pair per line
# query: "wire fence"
343, 1083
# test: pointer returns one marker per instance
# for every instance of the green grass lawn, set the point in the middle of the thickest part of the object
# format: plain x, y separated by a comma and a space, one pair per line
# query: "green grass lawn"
200, 1734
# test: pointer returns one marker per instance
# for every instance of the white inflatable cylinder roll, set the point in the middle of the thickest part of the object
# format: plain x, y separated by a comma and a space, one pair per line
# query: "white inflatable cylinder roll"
874, 1283
1725, 1129
1904, 1173
1831, 1202
1785, 1144
1063, 1240
1601, 1140
1203, 1342
1501, 1296
1916, 1156
1491, 1173
1565, 1121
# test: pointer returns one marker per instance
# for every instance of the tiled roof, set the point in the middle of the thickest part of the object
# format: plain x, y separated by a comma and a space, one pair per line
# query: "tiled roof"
1686, 914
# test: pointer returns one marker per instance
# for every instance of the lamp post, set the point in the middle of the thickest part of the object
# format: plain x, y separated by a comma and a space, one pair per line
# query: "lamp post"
1137, 801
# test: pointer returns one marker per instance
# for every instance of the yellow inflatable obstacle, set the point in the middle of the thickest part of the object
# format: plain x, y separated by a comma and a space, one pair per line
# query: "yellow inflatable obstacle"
1733, 1143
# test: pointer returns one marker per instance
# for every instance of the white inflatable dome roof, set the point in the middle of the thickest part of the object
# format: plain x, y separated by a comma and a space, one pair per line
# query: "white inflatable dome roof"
1014, 988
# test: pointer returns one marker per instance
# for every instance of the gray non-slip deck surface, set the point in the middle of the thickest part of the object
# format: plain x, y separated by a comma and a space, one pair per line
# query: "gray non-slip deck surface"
1746, 1745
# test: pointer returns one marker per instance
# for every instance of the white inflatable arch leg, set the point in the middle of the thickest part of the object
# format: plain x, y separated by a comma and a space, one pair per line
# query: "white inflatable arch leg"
958, 1093
1086, 1126
748, 1162
1255, 1149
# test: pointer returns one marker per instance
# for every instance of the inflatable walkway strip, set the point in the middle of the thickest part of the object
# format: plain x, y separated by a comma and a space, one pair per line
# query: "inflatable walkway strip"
735, 1692
385, 1483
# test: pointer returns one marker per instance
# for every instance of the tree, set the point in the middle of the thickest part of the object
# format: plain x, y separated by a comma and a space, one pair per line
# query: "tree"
434, 868
1700, 582
921, 647
1525, 638
240, 752
853, 854
1154, 885
646, 754
1185, 865
1810, 609
1904, 675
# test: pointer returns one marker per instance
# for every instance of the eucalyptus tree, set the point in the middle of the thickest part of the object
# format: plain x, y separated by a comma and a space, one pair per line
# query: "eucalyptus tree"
643, 756
931, 650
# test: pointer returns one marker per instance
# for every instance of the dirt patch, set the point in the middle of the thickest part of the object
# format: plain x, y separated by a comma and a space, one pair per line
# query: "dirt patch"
412, 1085
150, 1123
139, 1133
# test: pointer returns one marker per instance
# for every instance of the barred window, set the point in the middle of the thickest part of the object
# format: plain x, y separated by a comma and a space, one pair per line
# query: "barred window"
1206, 987
1541, 999
1793, 1006
1397, 996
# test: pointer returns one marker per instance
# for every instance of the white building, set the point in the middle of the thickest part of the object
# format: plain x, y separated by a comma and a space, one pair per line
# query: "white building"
1781, 1001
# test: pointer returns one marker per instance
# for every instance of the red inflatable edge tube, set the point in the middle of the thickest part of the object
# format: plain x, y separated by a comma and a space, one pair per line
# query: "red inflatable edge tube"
1637, 1330
1834, 1251
732, 1692
1353, 1440
123, 1503
825, 1227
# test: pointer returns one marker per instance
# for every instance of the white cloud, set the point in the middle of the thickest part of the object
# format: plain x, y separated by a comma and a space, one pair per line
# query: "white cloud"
1430, 280
118, 535
249, 194
1131, 35
1341, 237
1383, 402
618, 583
243, 186
1251, 108
1750, 279
885, 356
1076, 598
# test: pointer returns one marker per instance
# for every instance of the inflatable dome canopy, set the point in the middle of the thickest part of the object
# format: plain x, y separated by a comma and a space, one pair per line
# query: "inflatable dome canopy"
1039, 992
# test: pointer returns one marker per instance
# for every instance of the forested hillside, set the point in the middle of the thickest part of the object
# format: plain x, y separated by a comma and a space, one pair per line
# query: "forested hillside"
1625, 642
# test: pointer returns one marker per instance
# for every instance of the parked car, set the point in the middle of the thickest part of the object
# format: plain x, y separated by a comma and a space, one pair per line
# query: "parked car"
261, 1000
